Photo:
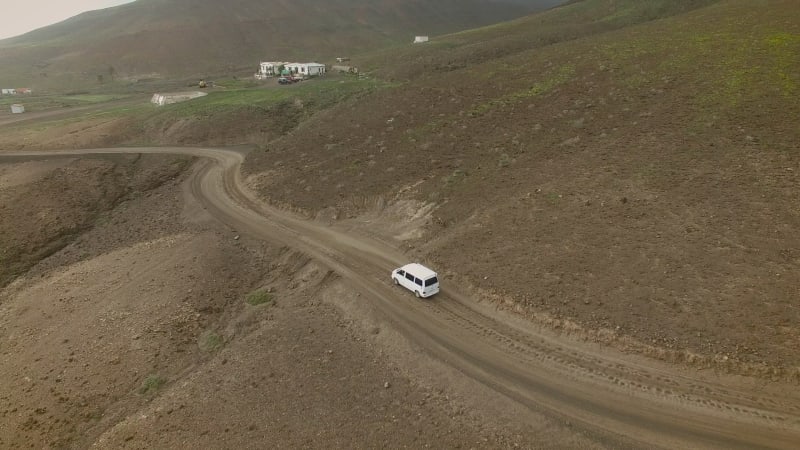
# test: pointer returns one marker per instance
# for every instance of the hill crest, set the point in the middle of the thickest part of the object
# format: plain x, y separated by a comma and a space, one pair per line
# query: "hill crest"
188, 38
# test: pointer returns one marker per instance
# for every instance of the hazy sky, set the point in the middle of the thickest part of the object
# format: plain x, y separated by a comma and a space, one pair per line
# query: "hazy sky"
20, 16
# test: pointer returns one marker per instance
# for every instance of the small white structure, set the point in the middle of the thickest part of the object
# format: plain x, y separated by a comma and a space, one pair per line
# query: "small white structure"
269, 69
168, 99
311, 69
420, 39
17, 109
9, 91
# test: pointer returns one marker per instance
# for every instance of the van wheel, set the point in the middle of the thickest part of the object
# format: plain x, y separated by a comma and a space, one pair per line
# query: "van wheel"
395, 281
417, 294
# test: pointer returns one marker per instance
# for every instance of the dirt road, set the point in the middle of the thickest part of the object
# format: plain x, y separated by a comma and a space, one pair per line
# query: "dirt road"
620, 399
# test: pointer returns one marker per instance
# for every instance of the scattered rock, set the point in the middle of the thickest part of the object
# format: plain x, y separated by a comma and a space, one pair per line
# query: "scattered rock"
571, 141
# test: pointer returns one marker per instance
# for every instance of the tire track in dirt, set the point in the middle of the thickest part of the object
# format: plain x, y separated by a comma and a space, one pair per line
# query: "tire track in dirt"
619, 400
632, 379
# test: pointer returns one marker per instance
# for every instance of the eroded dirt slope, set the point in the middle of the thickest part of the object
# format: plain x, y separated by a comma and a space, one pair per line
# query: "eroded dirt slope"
47, 204
138, 334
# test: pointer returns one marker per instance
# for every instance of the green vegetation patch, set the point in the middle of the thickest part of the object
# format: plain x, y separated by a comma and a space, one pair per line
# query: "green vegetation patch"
35, 102
210, 342
784, 49
259, 297
91, 98
554, 79
317, 94
458, 176
735, 55
152, 384
633, 12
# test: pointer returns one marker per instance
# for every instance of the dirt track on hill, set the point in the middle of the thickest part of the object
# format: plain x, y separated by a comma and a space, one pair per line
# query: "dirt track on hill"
620, 399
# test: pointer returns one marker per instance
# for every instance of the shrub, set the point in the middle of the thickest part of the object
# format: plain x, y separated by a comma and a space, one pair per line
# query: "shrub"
457, 176
152, 384
210, 341
259, 297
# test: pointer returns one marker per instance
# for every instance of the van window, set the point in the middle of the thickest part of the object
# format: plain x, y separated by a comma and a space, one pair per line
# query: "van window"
401, 272
418, 281
409, 277
431, 281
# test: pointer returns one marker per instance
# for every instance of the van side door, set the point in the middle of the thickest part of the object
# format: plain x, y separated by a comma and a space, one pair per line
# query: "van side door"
408, 281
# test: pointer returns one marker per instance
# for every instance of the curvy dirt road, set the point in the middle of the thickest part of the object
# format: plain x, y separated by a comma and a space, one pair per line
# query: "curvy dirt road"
621, 400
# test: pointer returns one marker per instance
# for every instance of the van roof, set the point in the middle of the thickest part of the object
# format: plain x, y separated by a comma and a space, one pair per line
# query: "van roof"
419, 271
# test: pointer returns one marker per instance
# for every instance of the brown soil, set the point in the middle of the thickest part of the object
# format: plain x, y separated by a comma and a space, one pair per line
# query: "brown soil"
165, 334
48, 204
636, 202
162, 349
617, 199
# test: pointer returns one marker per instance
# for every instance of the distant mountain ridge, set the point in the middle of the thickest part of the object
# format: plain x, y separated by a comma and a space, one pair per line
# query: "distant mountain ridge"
187, 37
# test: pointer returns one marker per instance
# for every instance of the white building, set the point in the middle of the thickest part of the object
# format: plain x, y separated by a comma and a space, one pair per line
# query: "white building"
311, 69
269, 69
9, 91
420, 39
17, 109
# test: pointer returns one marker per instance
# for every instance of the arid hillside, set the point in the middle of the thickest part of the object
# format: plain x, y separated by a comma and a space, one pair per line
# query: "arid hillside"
608, 191
639, 182
625, 169
162, 38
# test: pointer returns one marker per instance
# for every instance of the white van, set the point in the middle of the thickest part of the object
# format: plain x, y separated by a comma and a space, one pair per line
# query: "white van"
416, 278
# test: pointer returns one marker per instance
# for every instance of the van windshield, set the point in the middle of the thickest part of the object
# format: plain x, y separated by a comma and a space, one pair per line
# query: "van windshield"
431, 281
